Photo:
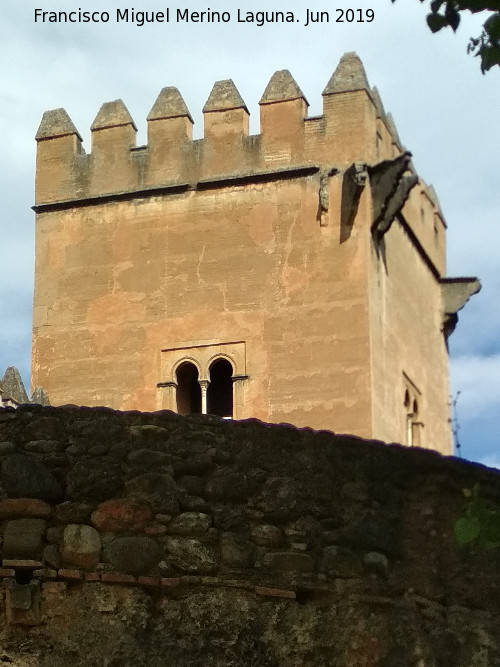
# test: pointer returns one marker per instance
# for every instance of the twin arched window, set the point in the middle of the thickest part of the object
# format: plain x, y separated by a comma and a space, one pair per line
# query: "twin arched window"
214, 396
413, 423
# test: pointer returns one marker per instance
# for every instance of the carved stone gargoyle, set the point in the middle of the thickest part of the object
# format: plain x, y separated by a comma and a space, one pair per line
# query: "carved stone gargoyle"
455, 293
353, 182
390, 189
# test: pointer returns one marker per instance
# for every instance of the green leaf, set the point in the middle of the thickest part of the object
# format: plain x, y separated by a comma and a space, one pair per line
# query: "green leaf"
489, 58
452, 17
436, 22
492, 27
466, 530
436, 5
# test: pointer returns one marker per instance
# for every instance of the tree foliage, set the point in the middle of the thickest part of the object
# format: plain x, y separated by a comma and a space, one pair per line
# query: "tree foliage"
480, 526
447, 14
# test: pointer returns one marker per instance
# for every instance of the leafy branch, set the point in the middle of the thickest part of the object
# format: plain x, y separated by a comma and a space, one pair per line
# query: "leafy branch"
447, 14
480, 526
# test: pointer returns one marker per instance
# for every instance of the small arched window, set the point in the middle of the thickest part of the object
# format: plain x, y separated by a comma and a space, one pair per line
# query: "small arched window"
220, 389
188, 389
413, 424
407, 399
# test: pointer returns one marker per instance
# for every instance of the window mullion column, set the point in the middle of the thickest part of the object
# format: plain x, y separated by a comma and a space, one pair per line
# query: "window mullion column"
204, 386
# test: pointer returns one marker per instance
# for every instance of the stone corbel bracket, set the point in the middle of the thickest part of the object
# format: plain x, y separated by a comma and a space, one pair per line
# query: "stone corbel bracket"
353, 182
390, 189
455, 293
323, 195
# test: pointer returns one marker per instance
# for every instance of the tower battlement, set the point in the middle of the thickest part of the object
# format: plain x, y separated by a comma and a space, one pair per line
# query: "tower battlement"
354, 127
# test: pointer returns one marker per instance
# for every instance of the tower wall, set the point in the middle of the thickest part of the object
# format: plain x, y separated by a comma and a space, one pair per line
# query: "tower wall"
260, 246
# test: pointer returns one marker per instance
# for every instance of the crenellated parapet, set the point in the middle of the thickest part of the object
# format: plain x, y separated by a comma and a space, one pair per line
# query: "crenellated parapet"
354, 138
59, 145
353, 128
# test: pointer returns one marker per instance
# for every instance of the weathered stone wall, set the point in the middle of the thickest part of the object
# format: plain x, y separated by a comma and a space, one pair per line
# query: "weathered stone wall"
152, 539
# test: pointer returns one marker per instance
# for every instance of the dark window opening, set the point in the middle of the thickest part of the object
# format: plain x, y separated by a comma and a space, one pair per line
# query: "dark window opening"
188, 389
220, 389
407, 399
23, 575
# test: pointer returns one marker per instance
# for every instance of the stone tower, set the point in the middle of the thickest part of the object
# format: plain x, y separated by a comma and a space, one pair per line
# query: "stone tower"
296, 275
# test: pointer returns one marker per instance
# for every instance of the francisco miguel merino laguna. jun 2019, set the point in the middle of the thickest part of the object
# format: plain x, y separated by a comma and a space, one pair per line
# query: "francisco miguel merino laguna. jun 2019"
170, 15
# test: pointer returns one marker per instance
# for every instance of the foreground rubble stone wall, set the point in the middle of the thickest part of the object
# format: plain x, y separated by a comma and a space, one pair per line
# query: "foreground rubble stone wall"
153, 539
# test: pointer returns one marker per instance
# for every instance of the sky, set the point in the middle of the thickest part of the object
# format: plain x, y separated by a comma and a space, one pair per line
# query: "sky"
445, 110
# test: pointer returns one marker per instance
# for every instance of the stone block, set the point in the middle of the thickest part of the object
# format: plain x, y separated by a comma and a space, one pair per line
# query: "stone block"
81, 546
7, 447
228, 486
45, 573
266, 535
304, 529
122, 514
288, 562
188, 523
117, 578
155, 529
66, 573
7, 572
52, 556
44, 446
236, 552
94, 480
22, 563
228, 517
24, 507
72, 512
194, 504
133, 555
23, 477
192, 484
376, 562
149, 458
23, 539
191, 556
159, 490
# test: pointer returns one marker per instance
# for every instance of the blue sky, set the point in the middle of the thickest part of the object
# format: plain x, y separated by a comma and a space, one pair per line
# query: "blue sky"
446, 113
